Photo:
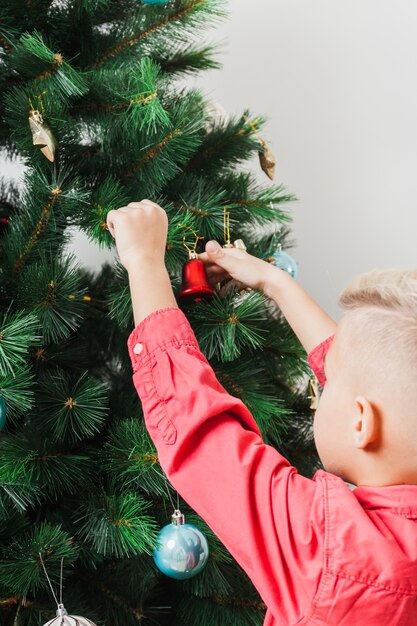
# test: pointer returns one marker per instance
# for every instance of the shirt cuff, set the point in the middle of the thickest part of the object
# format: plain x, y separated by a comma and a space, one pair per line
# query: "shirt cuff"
160, 329
316, 359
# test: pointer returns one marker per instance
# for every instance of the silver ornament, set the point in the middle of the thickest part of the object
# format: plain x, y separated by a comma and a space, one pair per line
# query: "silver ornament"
63, 619
216, 115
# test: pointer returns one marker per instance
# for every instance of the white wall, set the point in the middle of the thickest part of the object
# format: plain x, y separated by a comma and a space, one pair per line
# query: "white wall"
338, 82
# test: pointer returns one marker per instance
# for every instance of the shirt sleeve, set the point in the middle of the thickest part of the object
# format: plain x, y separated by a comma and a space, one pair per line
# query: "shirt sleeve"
269, 517
316, 359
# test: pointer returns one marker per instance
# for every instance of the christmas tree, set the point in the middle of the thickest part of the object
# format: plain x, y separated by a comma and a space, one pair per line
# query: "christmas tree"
95, 103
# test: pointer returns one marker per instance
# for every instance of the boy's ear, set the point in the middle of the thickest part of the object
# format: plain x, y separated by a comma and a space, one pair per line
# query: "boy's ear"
366, 425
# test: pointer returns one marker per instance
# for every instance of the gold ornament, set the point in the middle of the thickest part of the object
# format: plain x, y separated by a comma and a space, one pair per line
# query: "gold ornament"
42, 135
313, 388
267, 160
226, 228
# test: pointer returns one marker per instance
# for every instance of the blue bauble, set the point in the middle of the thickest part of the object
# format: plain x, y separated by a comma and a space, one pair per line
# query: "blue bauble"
155, 1
285, 262
181, 549
3, 413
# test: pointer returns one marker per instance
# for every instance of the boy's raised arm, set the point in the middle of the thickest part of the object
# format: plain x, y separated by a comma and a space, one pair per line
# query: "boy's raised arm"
140, 230
309, 321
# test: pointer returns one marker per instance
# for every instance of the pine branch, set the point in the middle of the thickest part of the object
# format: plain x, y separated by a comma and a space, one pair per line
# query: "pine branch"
71, 409
53, 290
226, 326
34, 59
20, 566
109, 195
186, 61
185, 11
18, 331
16, 389
43, 466
130, 457
117, 525
120, 601
37, 232
151, 153
226, 144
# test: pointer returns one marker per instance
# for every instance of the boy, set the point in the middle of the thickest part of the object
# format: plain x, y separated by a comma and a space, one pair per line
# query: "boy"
318, 552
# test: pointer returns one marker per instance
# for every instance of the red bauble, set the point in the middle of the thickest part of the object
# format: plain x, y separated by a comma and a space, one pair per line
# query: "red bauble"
195, 285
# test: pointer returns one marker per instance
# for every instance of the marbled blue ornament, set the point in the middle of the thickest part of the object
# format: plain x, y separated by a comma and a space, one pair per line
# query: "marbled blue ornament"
285, 262
181, 549
3, 413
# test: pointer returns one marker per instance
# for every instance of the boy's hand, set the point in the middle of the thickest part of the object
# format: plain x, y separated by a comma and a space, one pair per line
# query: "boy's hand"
140, 230
235, 263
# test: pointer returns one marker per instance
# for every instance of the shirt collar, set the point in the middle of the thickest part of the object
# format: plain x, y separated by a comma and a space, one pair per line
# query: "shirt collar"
401, 499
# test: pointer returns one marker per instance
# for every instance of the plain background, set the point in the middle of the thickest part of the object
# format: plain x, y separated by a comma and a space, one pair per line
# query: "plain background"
337, 80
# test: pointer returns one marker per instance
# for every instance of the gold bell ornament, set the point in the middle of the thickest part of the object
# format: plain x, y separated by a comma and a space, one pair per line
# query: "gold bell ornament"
42, 135
267, 160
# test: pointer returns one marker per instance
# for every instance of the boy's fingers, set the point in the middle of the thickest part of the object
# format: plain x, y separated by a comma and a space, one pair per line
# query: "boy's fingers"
110, 221
142, 204
226, 258
216, 274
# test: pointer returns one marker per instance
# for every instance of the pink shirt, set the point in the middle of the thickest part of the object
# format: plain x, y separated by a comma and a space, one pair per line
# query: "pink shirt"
317, 552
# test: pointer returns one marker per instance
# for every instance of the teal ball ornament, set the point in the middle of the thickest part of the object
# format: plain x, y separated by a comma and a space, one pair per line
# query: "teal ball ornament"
181, 549
3, 413
155, 1
285, 262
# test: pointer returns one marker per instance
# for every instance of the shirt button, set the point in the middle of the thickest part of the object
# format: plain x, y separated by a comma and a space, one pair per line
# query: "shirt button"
138, 348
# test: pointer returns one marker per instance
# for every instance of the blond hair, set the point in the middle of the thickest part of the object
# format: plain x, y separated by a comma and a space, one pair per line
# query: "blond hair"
382, 311
394, 290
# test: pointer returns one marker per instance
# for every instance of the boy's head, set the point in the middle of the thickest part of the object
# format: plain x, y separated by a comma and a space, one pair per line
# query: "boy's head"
366, 422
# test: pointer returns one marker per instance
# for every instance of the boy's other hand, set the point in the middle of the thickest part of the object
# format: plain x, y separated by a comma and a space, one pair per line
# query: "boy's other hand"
236, 263
140, 230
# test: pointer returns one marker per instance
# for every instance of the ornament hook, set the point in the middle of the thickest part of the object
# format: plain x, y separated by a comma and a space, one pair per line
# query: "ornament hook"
59, 604
191, 251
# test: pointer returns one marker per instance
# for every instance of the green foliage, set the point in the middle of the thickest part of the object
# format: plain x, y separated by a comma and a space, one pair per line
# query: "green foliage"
71, 409
130, 457
256, 389
227, 144
17, 391
109, 195
230, 324
52, 289
222, 611
38, 461
117, 525
20, 566
50, 202
79, 475
33, 58
18, 331
119, 299
16, 494
186, 60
